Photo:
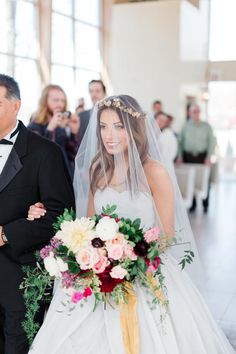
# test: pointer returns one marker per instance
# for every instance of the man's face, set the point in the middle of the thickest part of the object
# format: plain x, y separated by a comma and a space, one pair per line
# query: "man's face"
162, 121
157, 108
96, 92
9, 108
194, 113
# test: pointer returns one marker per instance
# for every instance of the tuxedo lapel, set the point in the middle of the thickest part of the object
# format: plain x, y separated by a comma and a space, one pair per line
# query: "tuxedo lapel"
11, 168
14, 164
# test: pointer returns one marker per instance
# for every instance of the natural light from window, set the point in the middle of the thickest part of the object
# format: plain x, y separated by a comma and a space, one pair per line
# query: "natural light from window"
222, 30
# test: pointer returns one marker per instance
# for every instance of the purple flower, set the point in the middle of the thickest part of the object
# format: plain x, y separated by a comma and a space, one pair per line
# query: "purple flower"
55, 242
68, 280
44, 252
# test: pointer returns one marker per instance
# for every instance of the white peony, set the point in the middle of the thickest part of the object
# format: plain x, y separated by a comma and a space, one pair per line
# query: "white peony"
63, 266
76, 234
55, 266
107, 228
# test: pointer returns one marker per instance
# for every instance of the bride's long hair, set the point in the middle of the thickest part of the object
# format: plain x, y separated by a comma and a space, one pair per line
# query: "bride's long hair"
137, 131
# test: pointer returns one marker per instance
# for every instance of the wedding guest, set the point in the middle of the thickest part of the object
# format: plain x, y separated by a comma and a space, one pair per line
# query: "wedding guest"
97, 91
167, 140
32, 169
54, 122
196, 145
157, 107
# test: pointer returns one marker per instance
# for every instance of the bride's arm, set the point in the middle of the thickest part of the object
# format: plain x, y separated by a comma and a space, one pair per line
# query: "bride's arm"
163, 195
91, 209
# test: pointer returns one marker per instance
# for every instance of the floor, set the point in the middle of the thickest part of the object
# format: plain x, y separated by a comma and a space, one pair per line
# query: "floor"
215, 234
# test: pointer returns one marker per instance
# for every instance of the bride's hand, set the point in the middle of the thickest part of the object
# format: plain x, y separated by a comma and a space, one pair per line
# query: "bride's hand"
36, 211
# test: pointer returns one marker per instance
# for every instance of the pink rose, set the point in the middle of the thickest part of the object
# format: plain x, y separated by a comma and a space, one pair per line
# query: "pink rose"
129, 252
101, 265
118, 272
152, 235
87, 257
87, 292
76, 297
119, 239
115, 251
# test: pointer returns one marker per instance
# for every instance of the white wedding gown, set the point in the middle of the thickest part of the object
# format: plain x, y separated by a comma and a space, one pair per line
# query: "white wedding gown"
188, 328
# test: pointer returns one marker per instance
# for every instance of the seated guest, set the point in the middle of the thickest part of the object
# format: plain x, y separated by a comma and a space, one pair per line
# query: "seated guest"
55, 123
168, 141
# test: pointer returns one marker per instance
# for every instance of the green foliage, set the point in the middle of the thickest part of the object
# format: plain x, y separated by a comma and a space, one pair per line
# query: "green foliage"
36, 286
109, 210
68, 215
153, 252
187, 258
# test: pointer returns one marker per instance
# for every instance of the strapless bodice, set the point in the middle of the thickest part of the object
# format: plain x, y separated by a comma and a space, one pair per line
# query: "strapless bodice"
138, 206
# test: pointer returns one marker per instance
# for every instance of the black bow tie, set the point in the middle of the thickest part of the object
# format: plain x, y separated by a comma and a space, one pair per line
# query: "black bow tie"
7, 142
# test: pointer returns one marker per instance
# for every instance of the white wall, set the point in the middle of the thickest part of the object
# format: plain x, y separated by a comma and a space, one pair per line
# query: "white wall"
150, 60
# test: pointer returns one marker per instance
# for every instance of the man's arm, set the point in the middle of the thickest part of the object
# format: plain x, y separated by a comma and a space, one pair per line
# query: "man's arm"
56, 193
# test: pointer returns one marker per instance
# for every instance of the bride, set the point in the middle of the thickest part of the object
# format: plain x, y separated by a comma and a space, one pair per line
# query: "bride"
119, 163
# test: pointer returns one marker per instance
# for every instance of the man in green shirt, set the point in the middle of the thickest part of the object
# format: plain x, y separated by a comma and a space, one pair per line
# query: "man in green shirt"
196, 144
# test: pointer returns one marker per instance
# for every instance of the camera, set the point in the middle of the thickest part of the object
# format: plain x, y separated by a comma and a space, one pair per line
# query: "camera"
66, 114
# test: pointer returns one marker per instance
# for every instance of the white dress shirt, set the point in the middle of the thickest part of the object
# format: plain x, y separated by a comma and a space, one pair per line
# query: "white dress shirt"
168, 143
5, 150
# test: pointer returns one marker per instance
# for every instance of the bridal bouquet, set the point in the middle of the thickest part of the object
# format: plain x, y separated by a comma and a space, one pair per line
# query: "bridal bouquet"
99, 255
103, 256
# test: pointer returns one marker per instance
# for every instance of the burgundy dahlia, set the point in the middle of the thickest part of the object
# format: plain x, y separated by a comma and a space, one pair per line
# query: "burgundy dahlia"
97, 242
141, 248
107, 282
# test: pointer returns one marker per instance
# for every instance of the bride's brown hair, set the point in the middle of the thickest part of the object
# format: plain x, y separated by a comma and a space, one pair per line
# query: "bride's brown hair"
131, 115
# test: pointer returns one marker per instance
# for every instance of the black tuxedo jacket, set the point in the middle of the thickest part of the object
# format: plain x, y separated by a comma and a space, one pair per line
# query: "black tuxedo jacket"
84, 122
35, 171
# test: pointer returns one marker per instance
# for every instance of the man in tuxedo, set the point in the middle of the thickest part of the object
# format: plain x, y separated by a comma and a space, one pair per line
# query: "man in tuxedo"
97, 91
31, 169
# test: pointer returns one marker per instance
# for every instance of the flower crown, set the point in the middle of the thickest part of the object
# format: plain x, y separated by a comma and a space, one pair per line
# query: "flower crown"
115, 102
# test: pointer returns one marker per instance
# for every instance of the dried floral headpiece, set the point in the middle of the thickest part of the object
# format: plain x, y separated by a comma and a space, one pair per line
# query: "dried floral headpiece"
115, 102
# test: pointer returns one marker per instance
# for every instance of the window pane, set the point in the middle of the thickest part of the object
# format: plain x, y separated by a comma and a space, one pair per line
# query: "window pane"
6, 64
63, 6
83, 77
64, 77
222, 30
62, 40
26, 42
88, 11
6, 21
87, 46
29, 86
18, 28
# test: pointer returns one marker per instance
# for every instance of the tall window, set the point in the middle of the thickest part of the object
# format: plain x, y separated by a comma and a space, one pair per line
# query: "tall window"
76, 46
222, 30
19, 50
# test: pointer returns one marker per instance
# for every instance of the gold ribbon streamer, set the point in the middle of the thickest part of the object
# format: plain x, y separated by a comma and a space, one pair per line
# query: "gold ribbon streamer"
129, 321
128, 314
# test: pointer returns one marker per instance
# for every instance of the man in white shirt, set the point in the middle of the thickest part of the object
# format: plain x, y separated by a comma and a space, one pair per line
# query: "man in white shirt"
168, 141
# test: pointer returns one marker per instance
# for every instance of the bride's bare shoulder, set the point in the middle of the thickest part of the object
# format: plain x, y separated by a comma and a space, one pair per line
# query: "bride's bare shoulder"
155, 172
153, 167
